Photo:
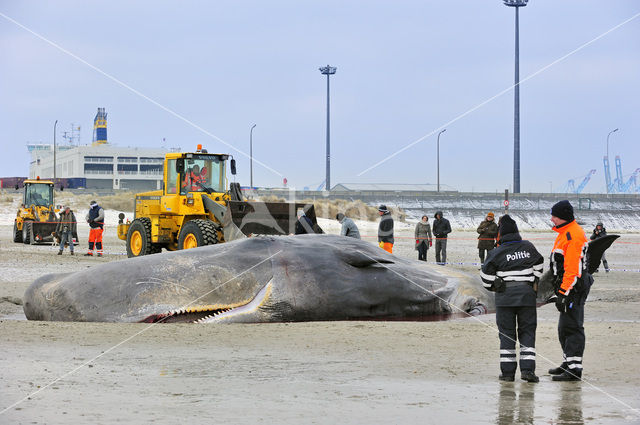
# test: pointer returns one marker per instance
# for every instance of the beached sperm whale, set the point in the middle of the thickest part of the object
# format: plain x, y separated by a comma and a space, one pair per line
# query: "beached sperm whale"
261, 279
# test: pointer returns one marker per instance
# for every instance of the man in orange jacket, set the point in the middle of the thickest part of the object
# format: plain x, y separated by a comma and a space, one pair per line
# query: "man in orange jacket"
572, 284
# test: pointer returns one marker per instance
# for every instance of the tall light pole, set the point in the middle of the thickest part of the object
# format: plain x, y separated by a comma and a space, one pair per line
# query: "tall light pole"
54, 149
438, 155
612, 131
328, 70
516, 101
251, 154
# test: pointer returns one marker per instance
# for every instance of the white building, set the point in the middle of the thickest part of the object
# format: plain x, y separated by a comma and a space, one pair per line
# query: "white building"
100, 167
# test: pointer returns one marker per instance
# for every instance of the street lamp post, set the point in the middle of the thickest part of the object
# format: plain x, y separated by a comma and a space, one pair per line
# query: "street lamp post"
251, 155
328, 70
612, 131
54, 149
438, 156
516, 100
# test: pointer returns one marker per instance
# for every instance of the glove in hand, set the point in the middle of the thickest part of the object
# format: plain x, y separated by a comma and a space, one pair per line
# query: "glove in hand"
562, 304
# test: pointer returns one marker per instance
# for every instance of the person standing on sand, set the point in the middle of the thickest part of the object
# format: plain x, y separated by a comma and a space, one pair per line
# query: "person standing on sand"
600, 232
95, 218
488, 230
441, 228
385, 229
512, 271
423, 237
572, 284
66, 228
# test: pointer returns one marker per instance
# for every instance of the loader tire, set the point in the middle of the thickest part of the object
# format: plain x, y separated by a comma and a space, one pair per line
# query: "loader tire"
139, 238
197, 233
26, 232
17, 234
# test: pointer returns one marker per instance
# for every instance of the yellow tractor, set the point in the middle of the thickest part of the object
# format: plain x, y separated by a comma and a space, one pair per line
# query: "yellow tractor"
197, 207
36, 218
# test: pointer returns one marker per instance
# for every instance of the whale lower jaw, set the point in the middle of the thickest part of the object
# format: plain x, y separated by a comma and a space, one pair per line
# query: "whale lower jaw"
210, 313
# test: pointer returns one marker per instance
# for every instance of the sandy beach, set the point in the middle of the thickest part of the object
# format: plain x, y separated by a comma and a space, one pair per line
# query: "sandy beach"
321, 372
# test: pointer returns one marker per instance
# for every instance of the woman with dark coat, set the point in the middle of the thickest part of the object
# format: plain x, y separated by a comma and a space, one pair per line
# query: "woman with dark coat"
488, 231
423, 238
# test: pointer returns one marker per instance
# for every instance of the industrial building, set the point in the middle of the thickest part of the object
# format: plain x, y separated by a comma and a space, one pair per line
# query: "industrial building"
100, 165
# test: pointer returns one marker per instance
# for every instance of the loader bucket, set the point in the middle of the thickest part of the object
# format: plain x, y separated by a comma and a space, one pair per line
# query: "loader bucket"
268, 218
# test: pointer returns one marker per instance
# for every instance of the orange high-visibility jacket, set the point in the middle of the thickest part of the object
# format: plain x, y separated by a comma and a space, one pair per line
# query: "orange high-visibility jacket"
568, 254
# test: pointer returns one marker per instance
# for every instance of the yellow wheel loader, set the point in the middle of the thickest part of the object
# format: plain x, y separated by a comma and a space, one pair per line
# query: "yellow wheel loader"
36, 219
197, 207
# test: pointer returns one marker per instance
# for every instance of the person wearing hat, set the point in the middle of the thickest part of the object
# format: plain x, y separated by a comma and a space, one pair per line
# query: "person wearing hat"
65, 229
441, 228
512, 271
385, 229
572, 283
598, 232
95, 218
349, 228
487, 230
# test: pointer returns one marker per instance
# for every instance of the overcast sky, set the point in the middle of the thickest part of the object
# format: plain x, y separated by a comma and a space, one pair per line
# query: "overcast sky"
405, 68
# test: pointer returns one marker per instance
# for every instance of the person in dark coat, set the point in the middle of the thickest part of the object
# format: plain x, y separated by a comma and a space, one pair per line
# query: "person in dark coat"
385, 229
599, 232
487, 230
303, 224
512, 271
66, 228
423, 238
441, 228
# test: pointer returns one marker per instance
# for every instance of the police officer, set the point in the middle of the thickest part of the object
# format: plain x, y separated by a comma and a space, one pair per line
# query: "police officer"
572, 283
512, 271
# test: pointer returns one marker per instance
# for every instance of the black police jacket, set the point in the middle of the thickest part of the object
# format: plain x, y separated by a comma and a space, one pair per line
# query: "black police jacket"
518, 263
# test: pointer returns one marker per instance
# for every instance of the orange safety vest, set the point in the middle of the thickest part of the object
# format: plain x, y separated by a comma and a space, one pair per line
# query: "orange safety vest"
568, 252
192, 179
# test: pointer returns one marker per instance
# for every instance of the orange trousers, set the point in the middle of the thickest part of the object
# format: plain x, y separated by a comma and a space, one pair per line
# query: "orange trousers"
387, 246
95, 240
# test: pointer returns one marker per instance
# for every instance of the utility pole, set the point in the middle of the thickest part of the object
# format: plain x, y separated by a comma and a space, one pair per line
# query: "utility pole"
438, 156
328, 70
54, 149
516, 99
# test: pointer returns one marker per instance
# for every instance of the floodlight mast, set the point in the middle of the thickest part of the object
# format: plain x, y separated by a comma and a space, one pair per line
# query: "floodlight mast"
516, 101
328, 70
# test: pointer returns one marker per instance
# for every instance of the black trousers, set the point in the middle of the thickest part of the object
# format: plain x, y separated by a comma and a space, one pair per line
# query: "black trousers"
517, 324
441, 250
422, 251
572, 337
481, 253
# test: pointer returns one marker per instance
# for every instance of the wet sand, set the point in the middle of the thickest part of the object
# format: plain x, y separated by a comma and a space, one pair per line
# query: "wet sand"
323, 372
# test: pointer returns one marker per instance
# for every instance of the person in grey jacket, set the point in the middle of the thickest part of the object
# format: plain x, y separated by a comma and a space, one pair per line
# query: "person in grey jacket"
423, 238
66, 228
441, 228
349, 228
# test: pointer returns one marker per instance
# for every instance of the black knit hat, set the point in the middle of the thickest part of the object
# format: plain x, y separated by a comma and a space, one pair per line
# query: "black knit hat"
383, 208
563, 210
507, 225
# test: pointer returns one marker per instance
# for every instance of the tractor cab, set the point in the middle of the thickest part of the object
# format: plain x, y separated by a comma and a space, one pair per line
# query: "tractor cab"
38, 193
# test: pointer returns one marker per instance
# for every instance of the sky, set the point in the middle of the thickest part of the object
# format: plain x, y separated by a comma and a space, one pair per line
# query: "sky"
178, 74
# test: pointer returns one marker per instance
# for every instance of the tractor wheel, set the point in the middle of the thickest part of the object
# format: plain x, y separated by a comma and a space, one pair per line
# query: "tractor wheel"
139, 238
17, 234
26, 232
197, 233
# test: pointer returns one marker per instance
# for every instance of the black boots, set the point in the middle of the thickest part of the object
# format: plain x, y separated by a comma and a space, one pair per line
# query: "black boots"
529, 376
507, 378
568, 376
558, 370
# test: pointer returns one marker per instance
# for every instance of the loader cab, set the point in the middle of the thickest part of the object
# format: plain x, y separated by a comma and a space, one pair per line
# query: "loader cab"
197, 172
39, 194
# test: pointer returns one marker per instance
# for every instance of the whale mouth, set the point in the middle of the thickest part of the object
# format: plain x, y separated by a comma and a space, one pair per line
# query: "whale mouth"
188, 314
212, 313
